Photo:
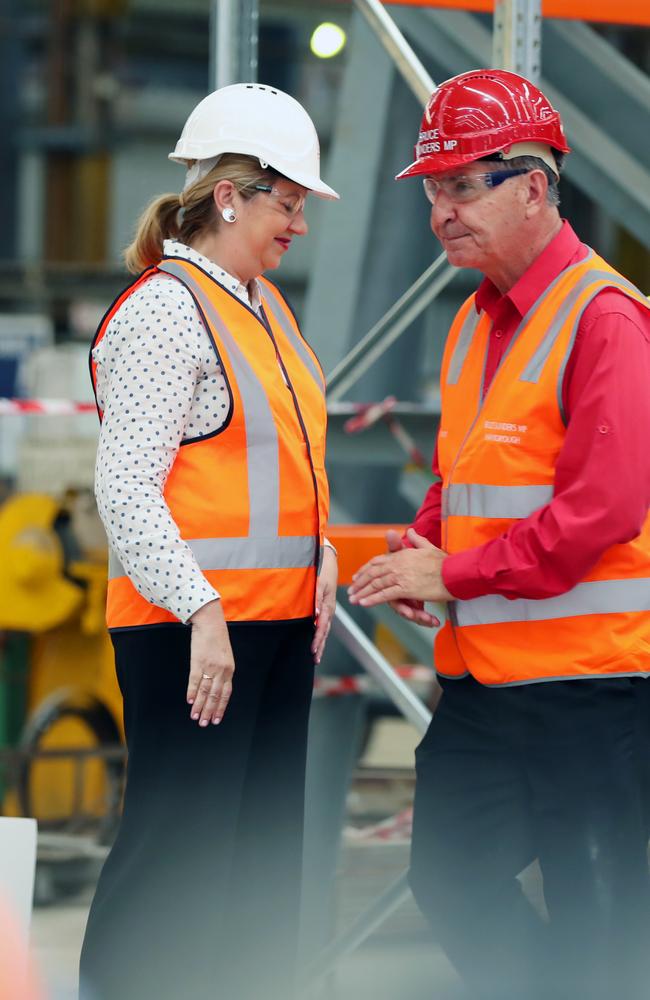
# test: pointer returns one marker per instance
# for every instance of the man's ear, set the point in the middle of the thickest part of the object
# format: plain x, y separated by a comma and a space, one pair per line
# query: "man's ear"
536, 191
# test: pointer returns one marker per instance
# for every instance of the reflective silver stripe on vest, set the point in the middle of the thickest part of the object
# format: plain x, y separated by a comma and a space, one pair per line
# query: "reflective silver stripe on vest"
262, 453
461, 349
569, 677
297, 343
600, 597
622, 284
457, 362
283, 552
475, 500
536, 364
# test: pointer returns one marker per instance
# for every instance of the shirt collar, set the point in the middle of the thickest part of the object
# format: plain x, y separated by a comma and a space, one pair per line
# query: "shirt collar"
251, 294
563, 249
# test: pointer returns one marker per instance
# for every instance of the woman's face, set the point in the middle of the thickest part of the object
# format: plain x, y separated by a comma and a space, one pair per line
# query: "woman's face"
267, 223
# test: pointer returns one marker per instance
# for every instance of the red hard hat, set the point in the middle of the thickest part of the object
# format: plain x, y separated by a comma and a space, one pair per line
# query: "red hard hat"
479, 113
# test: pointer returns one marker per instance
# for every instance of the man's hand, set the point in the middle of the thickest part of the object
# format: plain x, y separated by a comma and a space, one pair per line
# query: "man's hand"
211, 665
408, 574
325, 601
409, 608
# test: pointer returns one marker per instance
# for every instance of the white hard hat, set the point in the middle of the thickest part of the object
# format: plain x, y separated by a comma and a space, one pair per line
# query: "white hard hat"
254, 120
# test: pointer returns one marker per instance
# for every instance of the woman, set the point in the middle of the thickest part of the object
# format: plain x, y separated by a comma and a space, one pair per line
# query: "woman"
212, 488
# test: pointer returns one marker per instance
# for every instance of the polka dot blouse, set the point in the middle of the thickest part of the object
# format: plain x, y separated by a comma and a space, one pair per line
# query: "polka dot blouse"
159, 383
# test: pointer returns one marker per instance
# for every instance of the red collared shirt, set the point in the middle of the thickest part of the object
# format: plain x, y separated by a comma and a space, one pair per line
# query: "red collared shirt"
602, 481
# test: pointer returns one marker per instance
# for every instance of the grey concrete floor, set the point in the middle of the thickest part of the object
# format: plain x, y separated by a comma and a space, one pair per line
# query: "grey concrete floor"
57, 932
397, 965
398, 961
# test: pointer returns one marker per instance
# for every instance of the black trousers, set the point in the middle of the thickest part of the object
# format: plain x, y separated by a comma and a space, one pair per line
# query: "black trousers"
199, 896
549, 771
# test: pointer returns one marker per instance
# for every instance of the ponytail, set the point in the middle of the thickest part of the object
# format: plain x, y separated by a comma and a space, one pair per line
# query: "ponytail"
158, 222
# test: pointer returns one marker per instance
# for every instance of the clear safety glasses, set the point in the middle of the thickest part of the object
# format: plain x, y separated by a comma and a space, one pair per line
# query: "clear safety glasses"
290, 204
467, 187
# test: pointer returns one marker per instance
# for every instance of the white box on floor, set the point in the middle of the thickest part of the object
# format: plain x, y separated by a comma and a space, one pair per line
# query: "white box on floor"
17, 867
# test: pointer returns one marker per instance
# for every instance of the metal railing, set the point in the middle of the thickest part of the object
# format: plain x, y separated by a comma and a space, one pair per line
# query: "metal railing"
392, 325
399, 50
516, 46
368, 656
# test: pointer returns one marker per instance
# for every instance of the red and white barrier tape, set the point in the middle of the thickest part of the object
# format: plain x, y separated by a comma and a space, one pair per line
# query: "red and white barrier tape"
332, 687
48, 407
368, 414
395, 829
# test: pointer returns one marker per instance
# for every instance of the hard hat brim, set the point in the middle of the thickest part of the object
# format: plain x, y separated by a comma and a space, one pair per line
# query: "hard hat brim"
430, 166
313, 184
435, 165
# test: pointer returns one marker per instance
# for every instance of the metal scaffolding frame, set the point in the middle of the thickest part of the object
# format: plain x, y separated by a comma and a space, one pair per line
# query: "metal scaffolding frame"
517, 37
386, 330
516, 46
399, 50
234, 35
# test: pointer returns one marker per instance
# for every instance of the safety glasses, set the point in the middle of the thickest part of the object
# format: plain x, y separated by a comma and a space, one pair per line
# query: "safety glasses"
290, 204
467, 187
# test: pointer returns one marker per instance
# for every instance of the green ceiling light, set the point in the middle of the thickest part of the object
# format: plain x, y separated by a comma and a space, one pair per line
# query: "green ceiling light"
327, 40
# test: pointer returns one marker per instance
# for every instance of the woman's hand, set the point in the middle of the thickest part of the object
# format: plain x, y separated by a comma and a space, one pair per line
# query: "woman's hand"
325, 601
211, 665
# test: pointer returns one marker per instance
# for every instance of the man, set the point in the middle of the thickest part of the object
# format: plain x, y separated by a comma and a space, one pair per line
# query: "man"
538, 536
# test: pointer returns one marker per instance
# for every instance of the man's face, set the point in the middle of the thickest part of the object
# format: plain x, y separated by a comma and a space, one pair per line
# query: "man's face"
484, 231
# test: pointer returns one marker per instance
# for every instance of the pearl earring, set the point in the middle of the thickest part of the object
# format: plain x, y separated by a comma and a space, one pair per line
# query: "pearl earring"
229, 214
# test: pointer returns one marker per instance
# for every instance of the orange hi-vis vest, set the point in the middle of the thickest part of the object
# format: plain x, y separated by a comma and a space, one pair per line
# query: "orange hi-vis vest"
251, 500
497, 461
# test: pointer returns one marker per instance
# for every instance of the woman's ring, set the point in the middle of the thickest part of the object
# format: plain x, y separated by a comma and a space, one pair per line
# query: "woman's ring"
208, 677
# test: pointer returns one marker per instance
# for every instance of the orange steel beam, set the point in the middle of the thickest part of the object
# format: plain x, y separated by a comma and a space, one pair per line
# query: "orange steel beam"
613, 11
357, 543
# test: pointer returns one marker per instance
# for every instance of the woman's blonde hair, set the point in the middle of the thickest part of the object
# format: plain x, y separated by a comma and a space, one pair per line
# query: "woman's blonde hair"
183, 216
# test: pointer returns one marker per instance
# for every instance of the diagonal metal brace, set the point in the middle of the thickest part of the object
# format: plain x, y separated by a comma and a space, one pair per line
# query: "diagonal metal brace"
424, 290
353, 937
391, 325
357, 642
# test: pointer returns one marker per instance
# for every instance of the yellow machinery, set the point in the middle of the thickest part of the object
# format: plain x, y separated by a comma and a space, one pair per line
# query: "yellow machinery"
68, 765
